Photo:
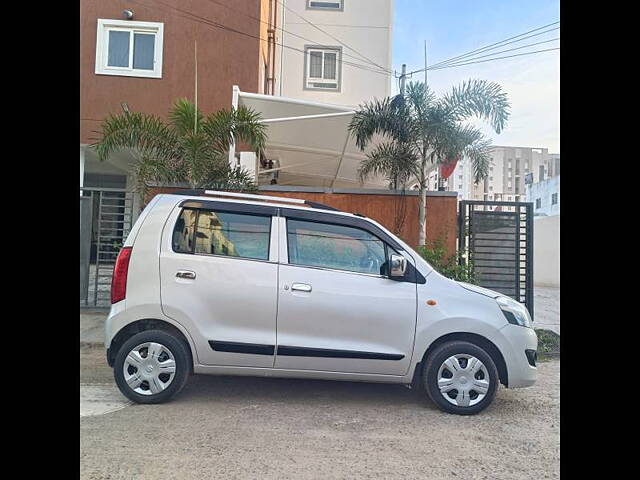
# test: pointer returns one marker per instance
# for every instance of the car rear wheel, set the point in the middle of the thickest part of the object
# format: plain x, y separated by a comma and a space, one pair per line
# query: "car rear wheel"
460, 378
151, 367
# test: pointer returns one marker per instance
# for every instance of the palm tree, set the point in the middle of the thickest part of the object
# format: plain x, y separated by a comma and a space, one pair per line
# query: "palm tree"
420, 130
189, 148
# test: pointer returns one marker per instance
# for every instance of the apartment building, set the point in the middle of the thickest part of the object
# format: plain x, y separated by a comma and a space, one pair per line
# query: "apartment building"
331, 56
335, 51
142, 57
511, 169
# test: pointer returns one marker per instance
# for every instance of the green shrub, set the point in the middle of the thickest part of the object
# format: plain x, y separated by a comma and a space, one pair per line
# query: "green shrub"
448, 265
548, 343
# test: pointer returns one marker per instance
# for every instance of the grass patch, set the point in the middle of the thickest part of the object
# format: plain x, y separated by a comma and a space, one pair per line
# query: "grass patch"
548, 344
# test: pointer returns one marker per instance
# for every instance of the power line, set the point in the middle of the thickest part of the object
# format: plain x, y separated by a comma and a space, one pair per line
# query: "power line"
491, 59
502, 42
486, 49
492, 46
336, 39
433, 67
207, 21
199, 19
344, 54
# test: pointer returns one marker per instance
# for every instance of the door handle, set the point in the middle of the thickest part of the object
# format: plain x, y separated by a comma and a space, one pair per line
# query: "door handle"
186, 274
301, 287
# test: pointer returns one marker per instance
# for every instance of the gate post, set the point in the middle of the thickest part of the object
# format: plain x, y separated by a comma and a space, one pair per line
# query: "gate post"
461, 231
529, 255
86, 206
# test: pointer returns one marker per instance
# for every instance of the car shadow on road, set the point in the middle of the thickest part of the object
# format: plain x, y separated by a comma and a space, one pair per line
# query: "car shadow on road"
292, 391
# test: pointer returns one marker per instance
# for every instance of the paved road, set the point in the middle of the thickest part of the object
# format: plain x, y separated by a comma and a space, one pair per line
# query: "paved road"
241, 427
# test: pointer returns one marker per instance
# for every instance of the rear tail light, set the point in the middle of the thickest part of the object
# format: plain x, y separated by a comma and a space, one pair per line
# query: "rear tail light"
119, 279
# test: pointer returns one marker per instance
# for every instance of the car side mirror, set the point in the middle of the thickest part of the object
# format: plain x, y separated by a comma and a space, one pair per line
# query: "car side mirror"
397, 265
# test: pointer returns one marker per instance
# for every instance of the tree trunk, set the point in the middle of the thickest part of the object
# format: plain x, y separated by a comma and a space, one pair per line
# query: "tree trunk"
422, 218
422, 222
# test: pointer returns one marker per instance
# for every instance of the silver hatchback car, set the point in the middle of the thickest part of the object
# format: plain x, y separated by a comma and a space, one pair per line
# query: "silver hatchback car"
239, 284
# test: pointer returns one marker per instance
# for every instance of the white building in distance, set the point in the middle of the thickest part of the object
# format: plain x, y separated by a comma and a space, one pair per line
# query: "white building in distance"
506, 180
545, 196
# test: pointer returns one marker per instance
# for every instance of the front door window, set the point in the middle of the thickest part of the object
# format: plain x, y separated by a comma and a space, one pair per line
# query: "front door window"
335, 247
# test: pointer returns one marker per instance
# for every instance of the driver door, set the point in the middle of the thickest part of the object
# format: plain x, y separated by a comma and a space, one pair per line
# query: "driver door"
338, 310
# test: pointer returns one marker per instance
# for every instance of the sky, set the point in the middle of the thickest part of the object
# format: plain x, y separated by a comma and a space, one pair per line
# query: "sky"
455, 27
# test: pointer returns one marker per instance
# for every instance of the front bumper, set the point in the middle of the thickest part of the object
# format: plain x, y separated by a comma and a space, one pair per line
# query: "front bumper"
519, 369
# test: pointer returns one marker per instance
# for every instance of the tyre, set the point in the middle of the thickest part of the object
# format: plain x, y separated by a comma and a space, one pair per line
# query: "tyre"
460, 378
151, 367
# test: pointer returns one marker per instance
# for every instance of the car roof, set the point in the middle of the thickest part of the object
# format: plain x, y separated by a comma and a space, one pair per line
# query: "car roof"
308, 206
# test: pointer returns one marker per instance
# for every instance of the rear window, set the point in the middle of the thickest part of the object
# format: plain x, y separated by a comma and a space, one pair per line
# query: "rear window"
209, 232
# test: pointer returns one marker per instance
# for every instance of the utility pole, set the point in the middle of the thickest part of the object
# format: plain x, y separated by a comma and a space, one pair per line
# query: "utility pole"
440, 183
403, 78
425, 63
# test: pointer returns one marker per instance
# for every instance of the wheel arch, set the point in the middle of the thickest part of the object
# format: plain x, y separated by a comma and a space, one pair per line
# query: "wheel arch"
142, 325
492, 350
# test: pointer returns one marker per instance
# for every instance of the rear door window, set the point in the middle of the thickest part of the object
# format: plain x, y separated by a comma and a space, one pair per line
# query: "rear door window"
209, 232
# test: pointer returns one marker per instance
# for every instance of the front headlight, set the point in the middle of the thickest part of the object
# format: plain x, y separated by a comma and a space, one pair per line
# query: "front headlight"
515, 312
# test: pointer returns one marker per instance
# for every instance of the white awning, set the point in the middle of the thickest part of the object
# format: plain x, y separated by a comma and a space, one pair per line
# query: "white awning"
308, 142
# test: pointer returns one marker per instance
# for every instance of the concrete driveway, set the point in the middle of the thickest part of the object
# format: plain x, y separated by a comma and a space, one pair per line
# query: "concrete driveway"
241, 427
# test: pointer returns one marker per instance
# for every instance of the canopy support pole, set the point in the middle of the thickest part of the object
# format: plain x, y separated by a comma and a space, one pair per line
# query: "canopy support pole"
344, 147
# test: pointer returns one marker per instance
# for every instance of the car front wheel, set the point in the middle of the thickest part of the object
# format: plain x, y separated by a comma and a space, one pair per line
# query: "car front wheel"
151, 367
460, 378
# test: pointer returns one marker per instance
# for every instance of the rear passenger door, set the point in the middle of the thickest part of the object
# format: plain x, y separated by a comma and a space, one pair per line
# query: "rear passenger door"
338, 310
218, 270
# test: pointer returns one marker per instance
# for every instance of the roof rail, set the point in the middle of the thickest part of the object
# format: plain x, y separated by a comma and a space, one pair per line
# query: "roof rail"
264, 198
251, 196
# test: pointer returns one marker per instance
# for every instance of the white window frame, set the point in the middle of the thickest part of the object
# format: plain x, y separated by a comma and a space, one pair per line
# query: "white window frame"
331, 9
102, 47
308, 80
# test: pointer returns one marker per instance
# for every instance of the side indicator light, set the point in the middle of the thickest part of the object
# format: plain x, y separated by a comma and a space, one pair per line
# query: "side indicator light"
431, 302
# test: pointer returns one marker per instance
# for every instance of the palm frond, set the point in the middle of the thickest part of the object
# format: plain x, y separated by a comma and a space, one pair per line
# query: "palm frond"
396, 161
419, 100
479, 153
470, 142
183, 116
481, 99
378, 116
178, 152
249, 129
146, 134
242, 125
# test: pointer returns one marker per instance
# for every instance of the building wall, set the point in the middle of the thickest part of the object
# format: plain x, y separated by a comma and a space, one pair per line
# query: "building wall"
224, 58
506, 179
268, 25
544, 192
546, 251
364, 25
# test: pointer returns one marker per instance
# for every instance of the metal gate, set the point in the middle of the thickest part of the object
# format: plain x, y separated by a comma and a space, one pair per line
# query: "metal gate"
498, 240
106, 216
